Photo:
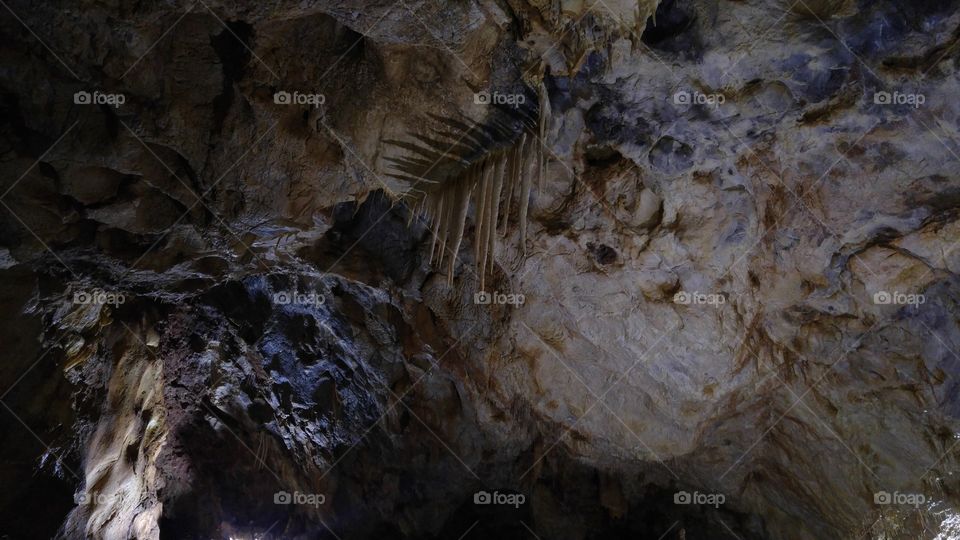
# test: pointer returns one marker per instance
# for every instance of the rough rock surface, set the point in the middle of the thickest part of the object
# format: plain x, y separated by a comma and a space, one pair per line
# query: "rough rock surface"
739, 279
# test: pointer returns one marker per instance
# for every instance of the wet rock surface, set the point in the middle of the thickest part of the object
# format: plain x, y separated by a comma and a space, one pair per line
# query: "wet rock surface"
733, 313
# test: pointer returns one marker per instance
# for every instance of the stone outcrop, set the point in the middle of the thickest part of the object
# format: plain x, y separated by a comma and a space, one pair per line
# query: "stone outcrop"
737, 281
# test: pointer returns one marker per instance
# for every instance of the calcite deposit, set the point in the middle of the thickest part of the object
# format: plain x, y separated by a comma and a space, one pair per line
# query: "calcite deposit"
726, 307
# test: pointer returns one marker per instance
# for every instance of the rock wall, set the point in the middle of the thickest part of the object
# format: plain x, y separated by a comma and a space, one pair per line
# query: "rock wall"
733, 311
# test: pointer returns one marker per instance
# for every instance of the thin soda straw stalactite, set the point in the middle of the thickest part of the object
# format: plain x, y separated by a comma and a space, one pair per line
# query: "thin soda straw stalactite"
480, 206
512, 182
491, 228
463, 190
437, 209
544, 106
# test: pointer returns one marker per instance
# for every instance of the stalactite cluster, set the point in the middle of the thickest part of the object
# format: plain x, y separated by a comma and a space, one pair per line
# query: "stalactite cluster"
497, 166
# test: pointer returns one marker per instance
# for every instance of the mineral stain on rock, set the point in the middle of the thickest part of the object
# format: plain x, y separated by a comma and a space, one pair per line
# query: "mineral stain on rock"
676, 269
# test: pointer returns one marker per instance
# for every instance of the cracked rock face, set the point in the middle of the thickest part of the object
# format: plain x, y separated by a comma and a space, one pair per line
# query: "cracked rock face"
728, 308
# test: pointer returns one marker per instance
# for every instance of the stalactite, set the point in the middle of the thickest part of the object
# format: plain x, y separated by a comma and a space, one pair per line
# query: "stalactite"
445, 226
491, 229
526, 181
484, 217
544, 106
480, 206
437, 211
515, 171
499, 179
463, 189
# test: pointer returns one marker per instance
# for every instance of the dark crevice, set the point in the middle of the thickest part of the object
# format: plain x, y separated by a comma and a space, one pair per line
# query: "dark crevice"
674, 29
232, 46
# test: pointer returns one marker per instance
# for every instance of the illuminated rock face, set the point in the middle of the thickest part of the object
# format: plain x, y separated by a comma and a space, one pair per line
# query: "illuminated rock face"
731, 305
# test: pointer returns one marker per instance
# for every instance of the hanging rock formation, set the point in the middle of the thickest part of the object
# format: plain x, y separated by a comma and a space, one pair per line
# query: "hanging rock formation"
675, 269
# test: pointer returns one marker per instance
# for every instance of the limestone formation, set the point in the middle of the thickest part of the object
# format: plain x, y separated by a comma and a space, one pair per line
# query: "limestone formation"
487, 269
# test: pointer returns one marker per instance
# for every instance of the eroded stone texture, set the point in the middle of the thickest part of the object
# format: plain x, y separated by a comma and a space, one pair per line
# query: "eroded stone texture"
728, 190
